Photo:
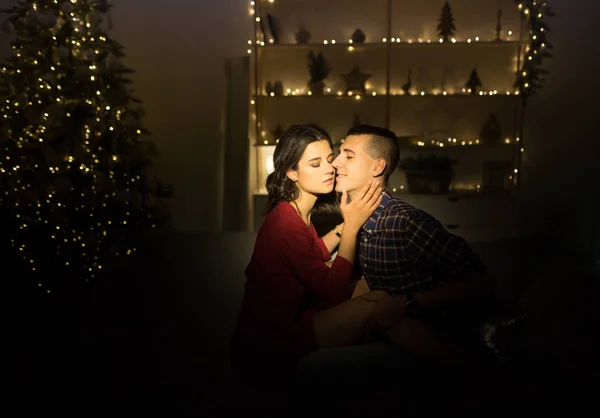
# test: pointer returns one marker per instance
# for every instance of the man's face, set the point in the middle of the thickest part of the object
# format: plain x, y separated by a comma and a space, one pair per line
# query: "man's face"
354, 167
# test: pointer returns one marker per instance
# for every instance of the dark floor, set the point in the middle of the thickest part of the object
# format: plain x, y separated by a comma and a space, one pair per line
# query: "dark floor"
131, 346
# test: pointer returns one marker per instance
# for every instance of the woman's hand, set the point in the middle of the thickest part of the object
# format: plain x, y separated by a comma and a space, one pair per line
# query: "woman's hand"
358, 211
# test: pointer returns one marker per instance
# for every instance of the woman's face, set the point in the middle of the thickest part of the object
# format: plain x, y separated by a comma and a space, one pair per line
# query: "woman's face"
315, 174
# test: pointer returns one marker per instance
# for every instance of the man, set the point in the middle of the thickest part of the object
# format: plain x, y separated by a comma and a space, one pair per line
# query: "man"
433, 277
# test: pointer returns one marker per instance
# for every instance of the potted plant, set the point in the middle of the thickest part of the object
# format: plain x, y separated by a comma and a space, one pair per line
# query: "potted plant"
428, 174
319, 69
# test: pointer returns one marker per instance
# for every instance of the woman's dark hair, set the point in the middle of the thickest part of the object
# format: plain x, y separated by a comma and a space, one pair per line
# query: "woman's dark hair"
287, 154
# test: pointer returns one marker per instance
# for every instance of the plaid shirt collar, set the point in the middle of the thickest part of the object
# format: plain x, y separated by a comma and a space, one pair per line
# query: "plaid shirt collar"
369, 226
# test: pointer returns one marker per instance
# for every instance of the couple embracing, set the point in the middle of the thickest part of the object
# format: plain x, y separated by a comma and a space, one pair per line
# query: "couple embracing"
397, 275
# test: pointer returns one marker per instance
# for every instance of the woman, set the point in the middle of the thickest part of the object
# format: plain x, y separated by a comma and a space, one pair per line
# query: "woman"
294, 302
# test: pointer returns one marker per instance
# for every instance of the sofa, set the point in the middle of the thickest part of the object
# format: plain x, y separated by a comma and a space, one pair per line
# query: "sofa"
156, 337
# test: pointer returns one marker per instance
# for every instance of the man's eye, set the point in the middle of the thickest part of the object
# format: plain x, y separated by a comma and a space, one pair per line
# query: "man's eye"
348, 157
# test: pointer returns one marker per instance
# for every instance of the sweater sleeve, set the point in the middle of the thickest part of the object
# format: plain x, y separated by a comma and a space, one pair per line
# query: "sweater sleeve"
328, 284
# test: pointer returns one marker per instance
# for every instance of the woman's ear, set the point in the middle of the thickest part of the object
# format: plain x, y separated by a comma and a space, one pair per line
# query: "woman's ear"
292, 175
379, 168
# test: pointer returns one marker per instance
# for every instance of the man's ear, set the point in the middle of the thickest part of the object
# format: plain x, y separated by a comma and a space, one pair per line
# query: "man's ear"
292, 175
379, 168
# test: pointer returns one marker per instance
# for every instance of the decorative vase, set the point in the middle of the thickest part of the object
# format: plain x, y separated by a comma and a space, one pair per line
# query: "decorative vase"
358, 37
303, 36
316, 87
278, 88
269, 88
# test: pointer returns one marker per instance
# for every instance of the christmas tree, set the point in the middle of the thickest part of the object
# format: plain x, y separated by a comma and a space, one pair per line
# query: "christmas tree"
473, 83
446, 26
77, 188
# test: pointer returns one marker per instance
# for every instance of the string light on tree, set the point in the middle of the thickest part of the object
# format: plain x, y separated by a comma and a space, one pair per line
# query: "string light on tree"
76, 182
530, 75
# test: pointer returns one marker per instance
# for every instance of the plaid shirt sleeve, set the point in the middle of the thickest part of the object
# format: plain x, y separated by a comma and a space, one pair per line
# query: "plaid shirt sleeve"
432, 247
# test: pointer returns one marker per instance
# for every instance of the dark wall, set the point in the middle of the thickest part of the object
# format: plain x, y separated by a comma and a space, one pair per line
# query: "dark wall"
561, 167
179, 54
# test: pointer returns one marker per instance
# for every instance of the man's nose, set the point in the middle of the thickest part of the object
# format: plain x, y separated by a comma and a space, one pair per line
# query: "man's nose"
336, 162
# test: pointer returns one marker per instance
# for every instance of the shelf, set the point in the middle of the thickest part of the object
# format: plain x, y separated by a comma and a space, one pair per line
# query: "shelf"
417, 43
412, 147
372, 96
323, 45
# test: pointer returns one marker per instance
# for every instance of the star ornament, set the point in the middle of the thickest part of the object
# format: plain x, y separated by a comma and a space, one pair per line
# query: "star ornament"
355, 80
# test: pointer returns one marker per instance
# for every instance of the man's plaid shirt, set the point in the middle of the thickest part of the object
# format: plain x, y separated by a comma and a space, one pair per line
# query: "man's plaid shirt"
403, 249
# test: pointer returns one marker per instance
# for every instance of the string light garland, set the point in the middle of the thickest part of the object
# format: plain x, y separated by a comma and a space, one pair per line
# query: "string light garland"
530, 75
76, 180
301, 92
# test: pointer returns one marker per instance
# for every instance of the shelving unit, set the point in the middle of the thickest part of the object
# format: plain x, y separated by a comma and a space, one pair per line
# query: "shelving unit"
435, 115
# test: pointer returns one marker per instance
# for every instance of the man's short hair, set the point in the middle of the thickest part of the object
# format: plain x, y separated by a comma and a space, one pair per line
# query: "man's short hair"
383, 144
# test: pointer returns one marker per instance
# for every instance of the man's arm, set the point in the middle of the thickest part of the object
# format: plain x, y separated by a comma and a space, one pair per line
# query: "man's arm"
451, 293
449, 259
430, 248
